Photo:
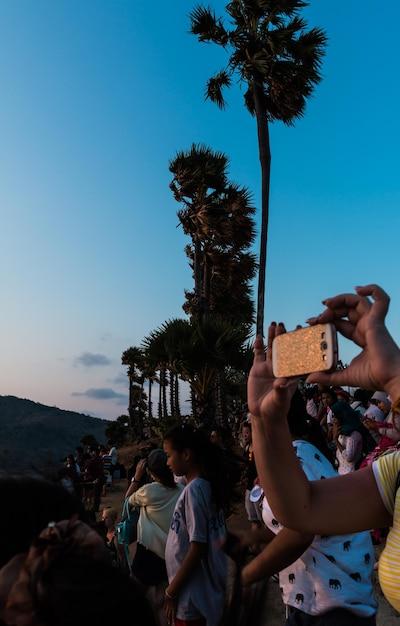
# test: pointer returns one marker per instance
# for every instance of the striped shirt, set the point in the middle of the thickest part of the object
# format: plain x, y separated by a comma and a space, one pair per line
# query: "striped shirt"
386, 471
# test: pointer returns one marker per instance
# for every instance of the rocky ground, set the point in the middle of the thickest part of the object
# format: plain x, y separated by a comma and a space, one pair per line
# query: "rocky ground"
272, 613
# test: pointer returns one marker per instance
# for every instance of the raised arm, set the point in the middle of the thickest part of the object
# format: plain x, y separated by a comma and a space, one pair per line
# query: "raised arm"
313, 507
318, 507
285, 548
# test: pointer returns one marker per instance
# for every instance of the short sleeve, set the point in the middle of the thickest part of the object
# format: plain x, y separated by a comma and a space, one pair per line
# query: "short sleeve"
197, 513
386, 470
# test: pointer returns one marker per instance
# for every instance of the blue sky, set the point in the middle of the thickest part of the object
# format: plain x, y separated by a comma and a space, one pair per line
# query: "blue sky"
96, 97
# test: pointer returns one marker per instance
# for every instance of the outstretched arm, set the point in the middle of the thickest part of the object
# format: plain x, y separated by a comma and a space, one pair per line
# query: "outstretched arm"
318, 507
284, 549
340, 505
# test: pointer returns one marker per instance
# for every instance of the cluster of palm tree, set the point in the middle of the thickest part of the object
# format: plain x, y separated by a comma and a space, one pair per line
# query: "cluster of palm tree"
217, 215
271, 52
211, 356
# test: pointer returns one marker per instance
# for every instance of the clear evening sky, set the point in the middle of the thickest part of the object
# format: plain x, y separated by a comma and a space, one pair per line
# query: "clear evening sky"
96, 97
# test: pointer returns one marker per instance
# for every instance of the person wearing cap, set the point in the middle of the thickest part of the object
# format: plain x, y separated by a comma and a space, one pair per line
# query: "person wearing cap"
382, 401
156, 502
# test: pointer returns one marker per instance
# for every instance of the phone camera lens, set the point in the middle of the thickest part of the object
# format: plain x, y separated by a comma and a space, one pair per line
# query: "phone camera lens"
324, 345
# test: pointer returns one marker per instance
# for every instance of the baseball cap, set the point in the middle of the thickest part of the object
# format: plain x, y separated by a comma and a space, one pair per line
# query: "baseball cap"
381, 396
374, 413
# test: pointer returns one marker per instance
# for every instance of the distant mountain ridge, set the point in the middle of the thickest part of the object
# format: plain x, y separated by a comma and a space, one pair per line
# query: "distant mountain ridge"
33, 434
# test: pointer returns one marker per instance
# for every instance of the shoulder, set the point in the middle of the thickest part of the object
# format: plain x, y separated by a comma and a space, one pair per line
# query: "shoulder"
198, 489
306, 452
198, 485
314, 464
143, 495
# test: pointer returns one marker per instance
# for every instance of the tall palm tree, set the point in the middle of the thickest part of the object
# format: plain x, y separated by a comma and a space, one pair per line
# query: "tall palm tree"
156, 355
278, 60
149, 374
162, 347
133, 359
218, 217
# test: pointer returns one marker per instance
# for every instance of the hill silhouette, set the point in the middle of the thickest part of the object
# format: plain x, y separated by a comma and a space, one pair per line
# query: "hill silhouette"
34, 435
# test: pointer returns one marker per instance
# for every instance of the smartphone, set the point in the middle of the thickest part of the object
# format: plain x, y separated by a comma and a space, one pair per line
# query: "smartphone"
306, 350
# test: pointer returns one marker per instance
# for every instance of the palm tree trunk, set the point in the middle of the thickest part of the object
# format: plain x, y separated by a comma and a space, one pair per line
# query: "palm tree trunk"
206, 288
130, 404
164, 392
177, 405
171, 392
197, 273
193, 400
265, 162
149, 403
160, 395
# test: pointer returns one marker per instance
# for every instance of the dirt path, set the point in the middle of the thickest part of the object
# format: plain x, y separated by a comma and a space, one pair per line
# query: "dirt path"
273, 613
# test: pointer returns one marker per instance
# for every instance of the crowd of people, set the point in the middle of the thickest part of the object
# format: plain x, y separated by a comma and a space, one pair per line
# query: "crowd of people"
93, 466
317, 466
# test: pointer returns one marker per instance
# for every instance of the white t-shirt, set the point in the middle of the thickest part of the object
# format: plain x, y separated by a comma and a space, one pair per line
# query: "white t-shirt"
157, 504
114, 455
335, 571
196, 520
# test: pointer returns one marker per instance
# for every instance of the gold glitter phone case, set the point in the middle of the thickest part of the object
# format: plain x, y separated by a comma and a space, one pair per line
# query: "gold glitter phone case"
311, 349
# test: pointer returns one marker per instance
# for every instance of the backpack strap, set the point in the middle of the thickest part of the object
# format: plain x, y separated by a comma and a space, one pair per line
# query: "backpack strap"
126, 510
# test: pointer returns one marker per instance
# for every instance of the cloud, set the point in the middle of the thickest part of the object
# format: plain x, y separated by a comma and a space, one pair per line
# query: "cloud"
90, 359
101, 393
120, 379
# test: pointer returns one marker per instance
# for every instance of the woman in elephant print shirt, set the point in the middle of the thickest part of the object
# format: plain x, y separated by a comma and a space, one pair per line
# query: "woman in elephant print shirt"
331, 582
334, 572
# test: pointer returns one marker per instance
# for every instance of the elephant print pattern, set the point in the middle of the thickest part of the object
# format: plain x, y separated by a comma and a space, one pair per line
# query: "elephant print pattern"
335, 571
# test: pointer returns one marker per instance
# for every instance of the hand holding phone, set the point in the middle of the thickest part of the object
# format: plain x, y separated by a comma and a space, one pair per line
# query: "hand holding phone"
306, 350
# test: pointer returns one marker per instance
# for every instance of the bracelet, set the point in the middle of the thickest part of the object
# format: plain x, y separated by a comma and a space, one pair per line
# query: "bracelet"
168, 596
135, 480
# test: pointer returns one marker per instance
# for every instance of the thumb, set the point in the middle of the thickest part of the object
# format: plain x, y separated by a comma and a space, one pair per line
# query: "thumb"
284, 389
327, 378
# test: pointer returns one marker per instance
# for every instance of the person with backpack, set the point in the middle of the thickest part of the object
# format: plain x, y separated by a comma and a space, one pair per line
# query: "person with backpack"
156, 503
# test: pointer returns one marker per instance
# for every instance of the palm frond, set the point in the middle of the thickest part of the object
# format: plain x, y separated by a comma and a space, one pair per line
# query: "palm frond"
215, 86
207, 27
249, 100
309, 48
285, 7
